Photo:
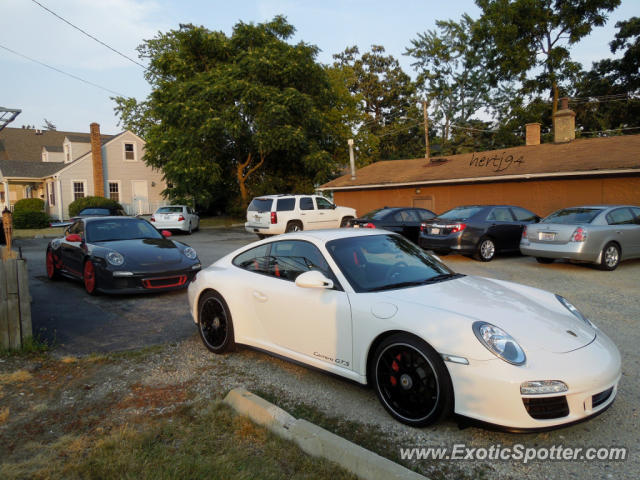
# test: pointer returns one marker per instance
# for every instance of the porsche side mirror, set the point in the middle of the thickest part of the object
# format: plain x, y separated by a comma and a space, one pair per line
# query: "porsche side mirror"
313, 279
73, 237
166, 233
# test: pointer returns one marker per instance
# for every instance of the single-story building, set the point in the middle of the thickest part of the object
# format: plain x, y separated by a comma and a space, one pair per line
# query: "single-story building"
539, 177
33, 165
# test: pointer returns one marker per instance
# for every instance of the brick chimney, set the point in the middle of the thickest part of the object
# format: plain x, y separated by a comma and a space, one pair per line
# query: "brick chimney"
564, 121
533, 133
96, 155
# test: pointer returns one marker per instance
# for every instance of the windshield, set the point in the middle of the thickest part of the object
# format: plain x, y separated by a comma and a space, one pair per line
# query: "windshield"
376, 214
169, 210
260, 205
95, 211
460, 213
116, 229
385, 262
573, 216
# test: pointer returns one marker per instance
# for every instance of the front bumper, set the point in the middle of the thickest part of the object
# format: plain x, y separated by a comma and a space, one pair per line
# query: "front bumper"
145, 282
579, 251
489, 391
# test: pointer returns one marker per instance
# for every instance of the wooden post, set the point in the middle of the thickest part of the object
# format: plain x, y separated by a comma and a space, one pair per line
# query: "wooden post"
7, 225
25, 300
4, 315
426, 129
13, 303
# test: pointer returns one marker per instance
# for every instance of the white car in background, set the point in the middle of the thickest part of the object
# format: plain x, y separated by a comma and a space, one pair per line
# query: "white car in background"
175, 217
373, 307
275, 214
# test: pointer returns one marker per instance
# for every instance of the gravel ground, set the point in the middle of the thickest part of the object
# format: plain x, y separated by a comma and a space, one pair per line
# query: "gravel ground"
610, 299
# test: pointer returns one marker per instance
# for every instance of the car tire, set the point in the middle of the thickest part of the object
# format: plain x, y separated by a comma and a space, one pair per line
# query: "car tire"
261, 236
610, 257
214, 323
89, 278
345, 222
190, 230
545, 260
294, 226
52, 271
411, 380
486, 250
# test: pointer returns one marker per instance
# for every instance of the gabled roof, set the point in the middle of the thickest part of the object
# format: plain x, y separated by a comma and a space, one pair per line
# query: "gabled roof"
23, 144
35, 170
579, 157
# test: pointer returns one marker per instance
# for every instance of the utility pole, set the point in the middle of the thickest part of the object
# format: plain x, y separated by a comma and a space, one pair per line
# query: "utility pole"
426, 129
352, 159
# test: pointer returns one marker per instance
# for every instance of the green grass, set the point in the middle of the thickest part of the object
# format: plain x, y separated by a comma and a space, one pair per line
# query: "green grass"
30, 346
32, 232
204, 442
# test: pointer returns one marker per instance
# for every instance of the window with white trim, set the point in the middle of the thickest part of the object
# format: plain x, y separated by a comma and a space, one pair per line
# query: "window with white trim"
130, 152
51, 187
78, 190
67, 153
114, 191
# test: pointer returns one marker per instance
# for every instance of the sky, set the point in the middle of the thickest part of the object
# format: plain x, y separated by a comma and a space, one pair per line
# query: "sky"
72, 105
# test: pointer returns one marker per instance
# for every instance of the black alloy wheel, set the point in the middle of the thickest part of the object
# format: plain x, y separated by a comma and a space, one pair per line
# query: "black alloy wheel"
214, 323
411, 380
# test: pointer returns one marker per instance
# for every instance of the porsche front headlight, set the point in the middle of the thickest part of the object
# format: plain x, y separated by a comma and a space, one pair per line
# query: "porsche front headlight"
577, 313
190, 253
499, 342
114, 258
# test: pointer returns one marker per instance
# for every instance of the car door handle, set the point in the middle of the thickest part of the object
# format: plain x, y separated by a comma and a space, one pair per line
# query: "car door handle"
259, 296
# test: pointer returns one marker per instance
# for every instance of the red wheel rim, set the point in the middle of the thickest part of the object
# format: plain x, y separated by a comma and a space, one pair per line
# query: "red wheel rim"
89, 277
50, 266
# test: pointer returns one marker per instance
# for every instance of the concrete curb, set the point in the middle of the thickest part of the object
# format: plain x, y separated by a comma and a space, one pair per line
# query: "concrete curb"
317, 441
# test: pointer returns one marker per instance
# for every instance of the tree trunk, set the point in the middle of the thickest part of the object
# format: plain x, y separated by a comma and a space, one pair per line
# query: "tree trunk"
242, 176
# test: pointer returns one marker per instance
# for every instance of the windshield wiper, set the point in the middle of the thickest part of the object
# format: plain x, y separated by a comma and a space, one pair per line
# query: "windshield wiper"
415, 283
444, 276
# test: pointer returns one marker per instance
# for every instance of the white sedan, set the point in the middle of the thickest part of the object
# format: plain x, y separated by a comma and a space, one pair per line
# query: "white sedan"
176, 217
374, 308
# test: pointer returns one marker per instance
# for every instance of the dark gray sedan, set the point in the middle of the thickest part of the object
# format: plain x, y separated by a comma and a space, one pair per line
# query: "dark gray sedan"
600, 234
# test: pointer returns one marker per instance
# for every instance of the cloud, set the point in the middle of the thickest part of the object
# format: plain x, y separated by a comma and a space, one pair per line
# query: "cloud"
122, 24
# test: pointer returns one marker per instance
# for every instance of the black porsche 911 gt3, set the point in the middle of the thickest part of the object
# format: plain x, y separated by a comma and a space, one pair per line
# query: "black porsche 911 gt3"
121, 255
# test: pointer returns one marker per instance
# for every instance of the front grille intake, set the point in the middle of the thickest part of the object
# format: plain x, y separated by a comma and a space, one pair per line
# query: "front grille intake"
599, 398
546, 408
164, 282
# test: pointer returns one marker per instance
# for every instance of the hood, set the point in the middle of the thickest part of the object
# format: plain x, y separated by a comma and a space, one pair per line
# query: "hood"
534, 318
145, 252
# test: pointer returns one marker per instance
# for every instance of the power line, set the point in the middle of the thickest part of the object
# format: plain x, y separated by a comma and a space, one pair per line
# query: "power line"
89, 35
63, 72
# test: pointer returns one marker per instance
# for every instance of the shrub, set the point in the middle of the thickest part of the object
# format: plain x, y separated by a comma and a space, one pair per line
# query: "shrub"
29, 205
86, 202
30, 219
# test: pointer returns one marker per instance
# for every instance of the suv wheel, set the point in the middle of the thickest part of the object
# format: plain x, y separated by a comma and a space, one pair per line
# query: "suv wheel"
345, 222
294, 226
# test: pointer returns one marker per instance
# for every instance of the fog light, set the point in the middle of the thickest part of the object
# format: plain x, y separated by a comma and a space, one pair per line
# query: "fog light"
539, 387
123, 274
196, 266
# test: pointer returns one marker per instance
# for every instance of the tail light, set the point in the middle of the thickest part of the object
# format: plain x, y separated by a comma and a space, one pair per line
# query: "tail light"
369, 225
458, 227
524, 232
153, 219
274, 217
181, 218
423, 226
579, 235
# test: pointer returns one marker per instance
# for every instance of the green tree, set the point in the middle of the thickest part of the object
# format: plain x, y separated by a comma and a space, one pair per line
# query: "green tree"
248, 107
535, 36
452, 73
386, 97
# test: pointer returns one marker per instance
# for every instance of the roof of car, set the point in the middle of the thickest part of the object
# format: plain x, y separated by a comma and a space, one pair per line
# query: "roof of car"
109, 217
332, 234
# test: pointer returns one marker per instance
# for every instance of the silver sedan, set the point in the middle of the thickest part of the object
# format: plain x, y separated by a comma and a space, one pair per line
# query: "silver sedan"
599, 234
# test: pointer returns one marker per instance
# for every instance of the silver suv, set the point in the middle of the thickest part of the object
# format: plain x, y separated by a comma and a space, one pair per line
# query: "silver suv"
274, 214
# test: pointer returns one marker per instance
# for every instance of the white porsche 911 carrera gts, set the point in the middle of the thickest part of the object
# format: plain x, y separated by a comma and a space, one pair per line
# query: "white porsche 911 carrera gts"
372, 307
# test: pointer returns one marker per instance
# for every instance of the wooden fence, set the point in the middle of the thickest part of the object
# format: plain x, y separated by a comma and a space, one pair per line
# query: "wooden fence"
15, 303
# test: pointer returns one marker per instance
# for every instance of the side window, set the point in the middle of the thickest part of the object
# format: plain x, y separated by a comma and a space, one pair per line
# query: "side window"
500, 214
293, 257
323, 204
411, 216
286, 204
636, 212
399, 216
523, 215
78, 228
620, 216
306, 203
254, 260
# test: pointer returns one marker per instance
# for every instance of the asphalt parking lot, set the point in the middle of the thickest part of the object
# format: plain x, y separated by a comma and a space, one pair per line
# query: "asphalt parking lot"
79, 324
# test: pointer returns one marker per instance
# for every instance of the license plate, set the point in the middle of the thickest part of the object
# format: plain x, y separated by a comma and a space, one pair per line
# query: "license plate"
356, 225
435, 231
167, 217
547, 236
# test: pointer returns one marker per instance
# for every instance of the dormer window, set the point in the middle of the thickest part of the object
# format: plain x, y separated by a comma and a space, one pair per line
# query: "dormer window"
45, 156
130, 152
67, 153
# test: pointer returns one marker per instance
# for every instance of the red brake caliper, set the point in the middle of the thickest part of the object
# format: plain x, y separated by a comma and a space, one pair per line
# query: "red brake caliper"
396, 368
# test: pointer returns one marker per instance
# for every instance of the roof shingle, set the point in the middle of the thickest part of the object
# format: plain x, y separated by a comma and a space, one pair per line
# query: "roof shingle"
35, 170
